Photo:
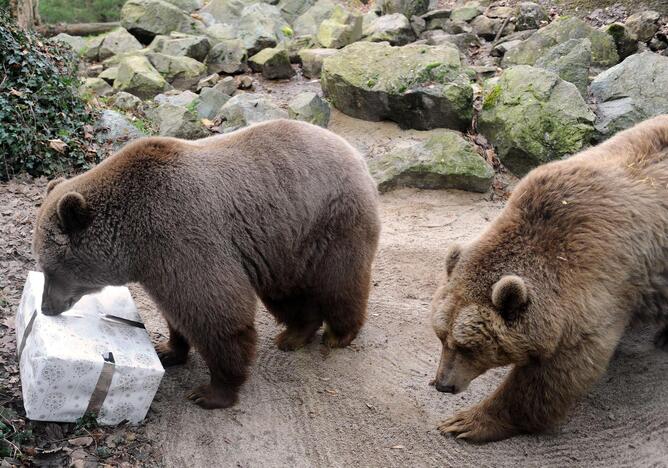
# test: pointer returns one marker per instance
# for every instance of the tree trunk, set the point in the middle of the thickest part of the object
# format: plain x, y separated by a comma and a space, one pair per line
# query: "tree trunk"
77, 29
25, 12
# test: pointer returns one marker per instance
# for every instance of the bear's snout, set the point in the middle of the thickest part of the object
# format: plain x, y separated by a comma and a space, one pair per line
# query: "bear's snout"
446, 388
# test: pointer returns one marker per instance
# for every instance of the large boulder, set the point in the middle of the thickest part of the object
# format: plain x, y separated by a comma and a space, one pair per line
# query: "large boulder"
114, 129
76, 43
95, 87
137, 76
260, 26
187, 5
181, 72
488, 28
177, 98
630, 92
227, 85
444, 161
126, 101
626, 42
603, 49
273, 63
226, 11
312, 59
178, 122
466, 12
308, 22
116, 42
532, 117
146, 19
342, 28
310, 108
179, 44
571, 61
408, 8
461, 41
394, 28
227, 57
417, 86
247, 109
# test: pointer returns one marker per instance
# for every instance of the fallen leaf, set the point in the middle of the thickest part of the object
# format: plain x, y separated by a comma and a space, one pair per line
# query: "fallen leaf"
397, 447
58, 145
81, 441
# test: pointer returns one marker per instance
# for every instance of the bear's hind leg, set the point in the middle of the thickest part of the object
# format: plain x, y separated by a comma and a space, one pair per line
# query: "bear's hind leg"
174, 351
661, 338
302, 319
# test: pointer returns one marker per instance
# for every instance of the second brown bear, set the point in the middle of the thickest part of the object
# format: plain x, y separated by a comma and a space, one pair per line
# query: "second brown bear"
284, 211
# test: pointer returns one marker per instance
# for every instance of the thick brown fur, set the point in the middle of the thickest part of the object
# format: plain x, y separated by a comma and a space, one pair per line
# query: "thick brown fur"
283, 210
579, 252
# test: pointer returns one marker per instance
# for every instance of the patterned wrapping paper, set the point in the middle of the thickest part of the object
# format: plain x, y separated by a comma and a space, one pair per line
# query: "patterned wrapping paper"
63, 357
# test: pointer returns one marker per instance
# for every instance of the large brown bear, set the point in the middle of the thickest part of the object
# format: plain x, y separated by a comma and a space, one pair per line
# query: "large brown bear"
579, 252
283, 210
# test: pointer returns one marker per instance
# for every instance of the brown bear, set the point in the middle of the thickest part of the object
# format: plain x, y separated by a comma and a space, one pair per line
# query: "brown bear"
579, 252
283, 210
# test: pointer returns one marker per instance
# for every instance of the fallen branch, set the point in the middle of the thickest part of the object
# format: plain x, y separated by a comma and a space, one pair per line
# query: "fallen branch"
77, 29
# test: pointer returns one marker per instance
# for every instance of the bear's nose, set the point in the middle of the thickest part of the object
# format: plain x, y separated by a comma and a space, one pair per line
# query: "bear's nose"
445, 388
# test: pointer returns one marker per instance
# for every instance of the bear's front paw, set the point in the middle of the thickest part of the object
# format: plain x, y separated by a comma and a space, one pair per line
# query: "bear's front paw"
169, 355
476, 425
210, 397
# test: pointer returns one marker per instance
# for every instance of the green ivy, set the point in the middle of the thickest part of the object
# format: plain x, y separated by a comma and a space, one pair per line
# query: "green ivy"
42, 116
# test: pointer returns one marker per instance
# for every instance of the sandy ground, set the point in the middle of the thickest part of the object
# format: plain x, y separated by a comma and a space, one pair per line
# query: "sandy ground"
370, 404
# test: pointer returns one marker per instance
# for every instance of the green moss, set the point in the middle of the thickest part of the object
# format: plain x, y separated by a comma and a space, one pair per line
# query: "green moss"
492, 97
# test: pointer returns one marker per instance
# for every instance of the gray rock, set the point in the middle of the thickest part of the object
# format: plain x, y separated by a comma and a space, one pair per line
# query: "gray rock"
643, 25
417, 86
292, 9
226, 11
187, 5
118, 42
246, 109
630, 92
440, 13
115, 129
344, 27
137, 76
109, 75
312, 60
657, 45
394, 28
444, 161
418, 24
182, 72
500, 50
178, 122
625, 41
146, 19
261, 26
532, 116
227, 57
179, 44
273, 63
308, 22
227, 85
296, 44
462, 41
571, 61
95, 87
76, 43
408, 8
530, 16
502, 12
309, 107
210, 102
603, 49
177, 98
126, 101
208, 81
466, 12
221, 32
487, 27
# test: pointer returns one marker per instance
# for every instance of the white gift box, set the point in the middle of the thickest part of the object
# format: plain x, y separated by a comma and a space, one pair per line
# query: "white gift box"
95, 357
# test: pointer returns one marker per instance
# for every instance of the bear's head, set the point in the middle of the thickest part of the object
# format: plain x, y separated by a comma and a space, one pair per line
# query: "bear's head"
75, 260
484, 315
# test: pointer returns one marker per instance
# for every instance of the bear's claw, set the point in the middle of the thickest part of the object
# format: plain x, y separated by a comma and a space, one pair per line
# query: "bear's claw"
475, 425
209, 397
169, 356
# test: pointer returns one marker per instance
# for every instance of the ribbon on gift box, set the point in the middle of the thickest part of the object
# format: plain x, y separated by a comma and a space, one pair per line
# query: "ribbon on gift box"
106, 374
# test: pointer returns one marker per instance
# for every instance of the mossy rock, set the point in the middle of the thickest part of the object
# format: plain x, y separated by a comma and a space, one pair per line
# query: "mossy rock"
274, 63
444, 161
417, 86
137, 76
182, 72
603, 48
146, 19
532, 117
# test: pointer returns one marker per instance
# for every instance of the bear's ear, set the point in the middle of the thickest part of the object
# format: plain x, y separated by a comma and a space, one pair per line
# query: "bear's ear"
509, 296
73, 212
452, 257
52, 184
